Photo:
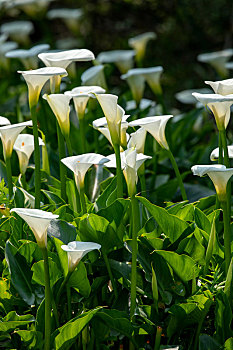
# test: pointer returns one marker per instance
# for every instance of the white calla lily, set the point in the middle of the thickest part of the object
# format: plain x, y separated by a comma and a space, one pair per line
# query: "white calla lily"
94, 76
38, 220
138, 139
32, 8
77, 250
9, 134
36, 79
217, 60
4, 48
123, 59
186, 96
139, 42
71, 17
80, 164
64, 58
81, 97
155, 126
222, 87
215, 153
219, 106
24, 146
4, 121
28, 57
144, 104
18, 30
59, 104
219, 175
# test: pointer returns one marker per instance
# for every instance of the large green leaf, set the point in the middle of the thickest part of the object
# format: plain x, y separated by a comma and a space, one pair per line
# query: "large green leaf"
192, 245
69, 332
31, 339
172, 226
20, 274
38, 272
102, 200
114, 212
223, 318
208, 343
183, 266
228, 344
62, 230
13, 320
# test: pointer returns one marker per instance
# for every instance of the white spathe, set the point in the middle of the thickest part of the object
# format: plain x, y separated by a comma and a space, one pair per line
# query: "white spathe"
38, 220
24, 146
138, 139
9, 134
123, 59
77, 250
4, 121
186, 97
222, 87
219, 175
219, 105
64, 58
139, 42
156, 126
94, 76
217, 60
80, 164
36, 79
18, 30
59, 104
215, 153
28, 57
81, 97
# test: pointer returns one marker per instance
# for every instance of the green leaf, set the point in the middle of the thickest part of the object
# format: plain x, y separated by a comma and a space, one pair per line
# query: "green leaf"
54, 199
13, 320
62, 230
172, 226
79, 280
202, 220
223, 318
102, 199
31, 339
114, 212
228, 344
20, 274
69, 331
184, 266
206, 342
38, 272
192, 246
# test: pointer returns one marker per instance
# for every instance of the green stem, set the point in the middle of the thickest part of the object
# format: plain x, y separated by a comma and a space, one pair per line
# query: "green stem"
54, 306
155, 164
178, 176
23, 181
77, 195
47, 300
227, 234
36, 157
62, 154
68, 301
82, 135
110, 273
69, 147
143, 184
158, 338
225, 149
118, 172
135, 223
66, 279
220, 156
9, 176
83, 200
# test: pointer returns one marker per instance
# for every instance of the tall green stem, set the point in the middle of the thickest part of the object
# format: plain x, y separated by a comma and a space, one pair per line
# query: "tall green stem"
23, 181
220, 156
143, 184
158, 338
9, 176
47, 300
135, 223
82, 199
62, 154
62, 286
118, 172
36, 157
225, 149
178, 176
82, 135
155, 164
69, 147
227, 234
68, 302
110, 273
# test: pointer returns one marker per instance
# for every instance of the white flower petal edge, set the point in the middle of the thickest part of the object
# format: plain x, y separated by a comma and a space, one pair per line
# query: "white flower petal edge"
222, 87
77, 250
94, 76
4, 121
38, 220
215, 153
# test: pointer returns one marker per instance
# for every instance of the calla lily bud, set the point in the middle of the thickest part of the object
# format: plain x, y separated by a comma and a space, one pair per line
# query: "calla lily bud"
217, 60
139, 42
36, 79
215, 153
24, 146
155, 126
219, 175
81, 97
219, 106
123, 59
77, 250
222, 87
94, 76
80, 164
9, 134
38, 220
59, 104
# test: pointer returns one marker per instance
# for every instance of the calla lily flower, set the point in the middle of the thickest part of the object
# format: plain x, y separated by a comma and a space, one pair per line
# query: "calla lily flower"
152, 76
59, 104
215, 153
24, 146
81, 97
18, 31
155, 126
28, 57
38, 220
64, 58
94, 76
217, 60
71, 17
139, 42
130, 163
144, 104
4, 121
4, 48
123, 59
29, 199
137, 140
36, 79
186, 96
113, 113
77, 250
32, 7
9, 134
219, 175
80, 164
219, 106
222, 87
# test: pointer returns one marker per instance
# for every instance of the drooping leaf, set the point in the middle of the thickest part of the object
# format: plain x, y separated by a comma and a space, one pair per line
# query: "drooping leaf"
13, 320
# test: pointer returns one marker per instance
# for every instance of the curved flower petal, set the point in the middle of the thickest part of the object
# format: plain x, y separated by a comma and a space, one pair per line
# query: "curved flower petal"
139, 43
94, 76
123, 59
222, 87
215, 153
